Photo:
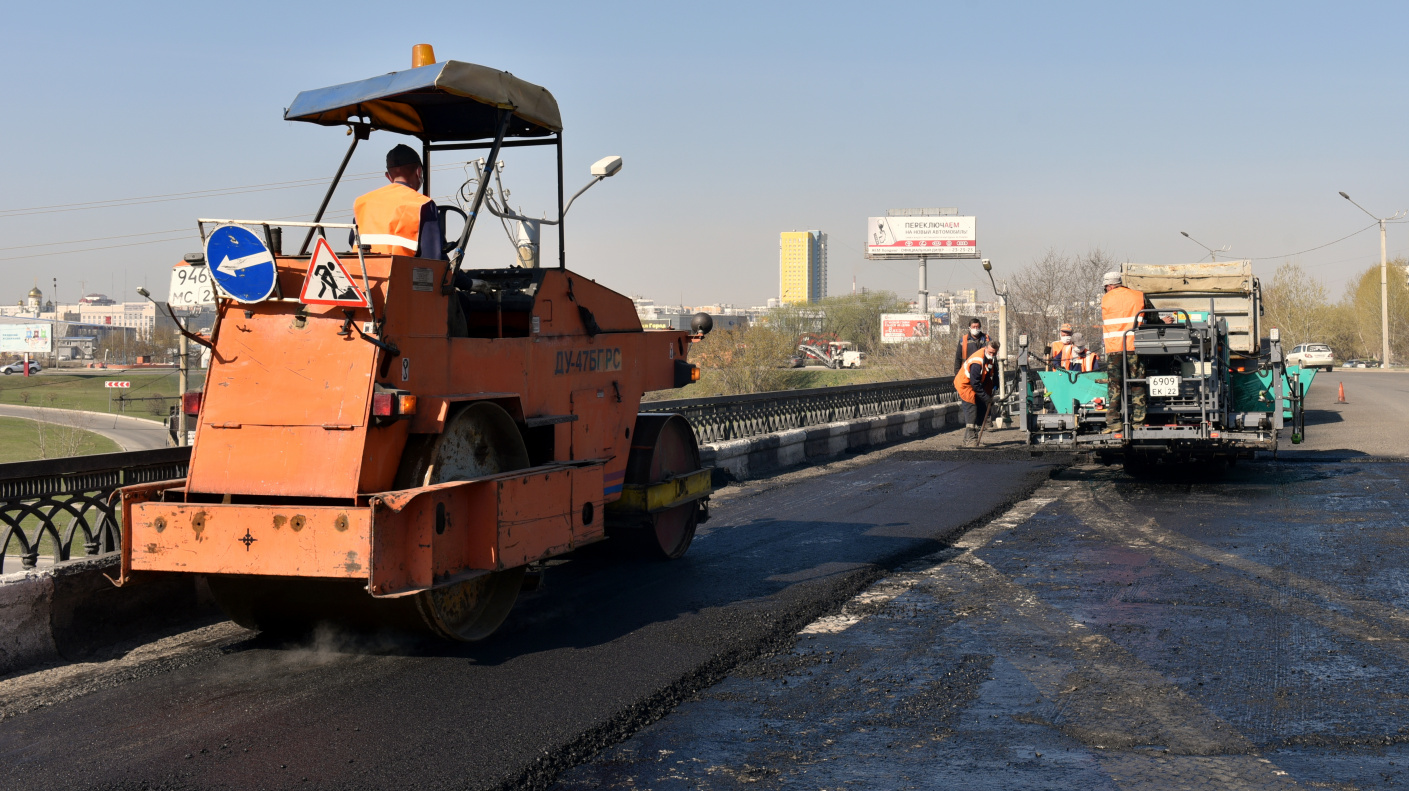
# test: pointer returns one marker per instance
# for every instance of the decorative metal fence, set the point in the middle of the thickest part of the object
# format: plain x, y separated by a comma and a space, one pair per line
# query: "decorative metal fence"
47, 505
736, 417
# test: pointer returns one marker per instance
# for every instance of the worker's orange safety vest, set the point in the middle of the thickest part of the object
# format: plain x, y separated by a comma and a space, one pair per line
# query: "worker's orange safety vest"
967, 339
389, 219
1072, 362
1120, 308
1057, 352
961, 379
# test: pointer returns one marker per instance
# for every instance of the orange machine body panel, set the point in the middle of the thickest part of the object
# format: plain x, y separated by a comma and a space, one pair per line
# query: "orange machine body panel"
293, 540
286, 428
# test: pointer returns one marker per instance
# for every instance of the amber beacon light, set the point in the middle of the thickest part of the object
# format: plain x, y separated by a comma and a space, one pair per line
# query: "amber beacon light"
422, 55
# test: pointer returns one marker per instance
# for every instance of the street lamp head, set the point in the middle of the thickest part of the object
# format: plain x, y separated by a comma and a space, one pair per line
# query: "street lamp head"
987, 267
1343, 195
144, 292
1185, 234
606, 166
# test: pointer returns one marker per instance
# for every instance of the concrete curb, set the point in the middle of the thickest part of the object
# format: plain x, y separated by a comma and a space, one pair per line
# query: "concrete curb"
763, 455
69, 610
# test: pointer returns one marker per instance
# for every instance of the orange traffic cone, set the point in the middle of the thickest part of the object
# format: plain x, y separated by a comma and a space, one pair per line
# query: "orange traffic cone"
1340, 399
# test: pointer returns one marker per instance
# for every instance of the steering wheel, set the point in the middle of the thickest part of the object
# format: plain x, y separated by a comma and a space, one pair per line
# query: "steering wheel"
445, 244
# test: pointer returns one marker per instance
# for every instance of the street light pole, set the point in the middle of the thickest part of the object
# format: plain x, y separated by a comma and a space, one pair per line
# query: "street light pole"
1212, 253
1384, 280
1002, 293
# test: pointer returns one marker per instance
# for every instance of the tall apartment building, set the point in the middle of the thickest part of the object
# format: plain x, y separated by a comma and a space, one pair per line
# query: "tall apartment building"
802, 267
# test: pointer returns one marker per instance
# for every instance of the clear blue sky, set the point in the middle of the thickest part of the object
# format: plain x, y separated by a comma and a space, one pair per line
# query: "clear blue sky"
1063, 125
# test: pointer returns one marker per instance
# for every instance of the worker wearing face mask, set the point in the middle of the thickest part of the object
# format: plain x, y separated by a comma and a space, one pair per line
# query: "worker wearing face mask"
969, 343
1078, 357
1058, 348
975, 382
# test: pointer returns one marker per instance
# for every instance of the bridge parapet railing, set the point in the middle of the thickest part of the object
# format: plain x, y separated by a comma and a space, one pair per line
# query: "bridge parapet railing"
723, 418
50, 504
52, 507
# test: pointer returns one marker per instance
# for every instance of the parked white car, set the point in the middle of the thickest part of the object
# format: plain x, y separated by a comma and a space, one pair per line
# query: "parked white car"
17, 367
1312, 355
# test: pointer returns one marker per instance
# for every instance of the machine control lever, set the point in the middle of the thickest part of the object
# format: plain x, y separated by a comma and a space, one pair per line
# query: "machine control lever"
386, 346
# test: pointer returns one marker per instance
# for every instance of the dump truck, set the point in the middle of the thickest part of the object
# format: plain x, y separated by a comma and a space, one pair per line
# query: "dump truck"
400, 451
829, 351
1218, 390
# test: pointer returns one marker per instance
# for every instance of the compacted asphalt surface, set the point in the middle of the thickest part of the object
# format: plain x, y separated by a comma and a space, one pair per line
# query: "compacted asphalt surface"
918, 617
1243, 630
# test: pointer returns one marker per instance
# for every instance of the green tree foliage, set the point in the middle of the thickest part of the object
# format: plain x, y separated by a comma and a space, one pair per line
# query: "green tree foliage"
1300, 307
1359, 323
748, 360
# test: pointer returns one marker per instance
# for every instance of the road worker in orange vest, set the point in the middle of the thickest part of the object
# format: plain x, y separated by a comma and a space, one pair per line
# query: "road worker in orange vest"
975, 381
1121, 312
969, 343
1058, 347
1077, 357
397, 219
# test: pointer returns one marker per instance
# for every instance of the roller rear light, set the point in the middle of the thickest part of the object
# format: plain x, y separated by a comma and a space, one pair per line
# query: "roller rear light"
685, 373
393, 404
191, 402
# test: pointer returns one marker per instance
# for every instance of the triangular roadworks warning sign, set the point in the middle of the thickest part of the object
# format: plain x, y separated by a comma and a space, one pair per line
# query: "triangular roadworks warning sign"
327, 281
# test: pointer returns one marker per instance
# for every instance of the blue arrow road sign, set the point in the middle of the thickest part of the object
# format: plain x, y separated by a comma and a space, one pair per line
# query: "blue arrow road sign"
240, 263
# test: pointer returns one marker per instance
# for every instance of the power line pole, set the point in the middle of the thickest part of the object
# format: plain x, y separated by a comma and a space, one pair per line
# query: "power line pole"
1384, 280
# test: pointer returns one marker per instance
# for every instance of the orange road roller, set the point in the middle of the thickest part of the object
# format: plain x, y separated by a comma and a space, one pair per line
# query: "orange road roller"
388, 438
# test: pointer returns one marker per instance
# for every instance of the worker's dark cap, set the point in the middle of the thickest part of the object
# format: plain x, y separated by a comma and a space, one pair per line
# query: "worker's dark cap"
402, 156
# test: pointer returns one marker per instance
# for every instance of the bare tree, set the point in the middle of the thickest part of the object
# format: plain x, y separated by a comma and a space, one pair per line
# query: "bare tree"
1059, 289
1297, 304
57, 433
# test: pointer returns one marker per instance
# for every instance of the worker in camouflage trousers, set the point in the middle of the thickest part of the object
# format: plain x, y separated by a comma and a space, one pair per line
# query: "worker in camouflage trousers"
1122, 310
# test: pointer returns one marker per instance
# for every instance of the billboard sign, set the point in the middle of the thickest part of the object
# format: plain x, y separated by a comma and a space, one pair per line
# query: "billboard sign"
904, 327
939, 322
32, 338
921, 237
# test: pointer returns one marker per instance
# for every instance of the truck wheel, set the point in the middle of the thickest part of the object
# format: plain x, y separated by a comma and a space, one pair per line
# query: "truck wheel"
662, 447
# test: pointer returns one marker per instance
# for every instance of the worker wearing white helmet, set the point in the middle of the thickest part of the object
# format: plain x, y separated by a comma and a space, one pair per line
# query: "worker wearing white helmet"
1122, 310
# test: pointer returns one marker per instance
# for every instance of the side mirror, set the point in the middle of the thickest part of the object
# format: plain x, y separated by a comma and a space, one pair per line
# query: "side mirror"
606, 166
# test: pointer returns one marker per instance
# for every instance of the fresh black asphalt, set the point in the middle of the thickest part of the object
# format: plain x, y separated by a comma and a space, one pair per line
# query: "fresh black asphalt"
609, 644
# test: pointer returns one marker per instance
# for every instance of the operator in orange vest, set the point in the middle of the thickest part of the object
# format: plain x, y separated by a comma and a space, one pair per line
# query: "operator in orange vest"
1077, 357
1058, 347
397, 219
1121, 312
975, 381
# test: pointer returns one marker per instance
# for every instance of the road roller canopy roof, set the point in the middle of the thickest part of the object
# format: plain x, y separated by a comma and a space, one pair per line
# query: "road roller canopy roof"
444, 101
